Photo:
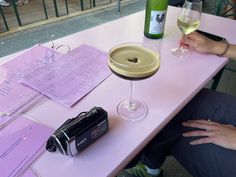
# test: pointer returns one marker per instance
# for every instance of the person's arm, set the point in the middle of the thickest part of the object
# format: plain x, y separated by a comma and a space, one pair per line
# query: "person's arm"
202, 44
219, 48
212, 132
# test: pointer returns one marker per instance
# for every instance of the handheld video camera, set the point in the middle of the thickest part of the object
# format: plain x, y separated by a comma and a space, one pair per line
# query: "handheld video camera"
77, 133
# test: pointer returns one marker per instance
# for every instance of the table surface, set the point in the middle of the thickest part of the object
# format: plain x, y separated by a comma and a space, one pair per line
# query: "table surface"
177, 81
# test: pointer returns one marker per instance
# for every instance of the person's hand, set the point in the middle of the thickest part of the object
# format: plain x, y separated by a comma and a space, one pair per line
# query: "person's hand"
212, 132
202, 44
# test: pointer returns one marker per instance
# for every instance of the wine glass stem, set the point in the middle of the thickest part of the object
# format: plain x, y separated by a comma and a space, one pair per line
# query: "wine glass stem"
132, 105
181, 45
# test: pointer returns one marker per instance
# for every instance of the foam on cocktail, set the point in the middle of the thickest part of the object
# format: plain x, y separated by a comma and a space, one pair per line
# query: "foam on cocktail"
133, 62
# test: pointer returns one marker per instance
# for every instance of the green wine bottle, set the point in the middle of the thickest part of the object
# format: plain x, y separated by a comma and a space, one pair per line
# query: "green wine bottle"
155, 18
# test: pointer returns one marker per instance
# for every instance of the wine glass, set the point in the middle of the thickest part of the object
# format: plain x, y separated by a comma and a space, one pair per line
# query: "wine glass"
188, 21
133, 61
51, 55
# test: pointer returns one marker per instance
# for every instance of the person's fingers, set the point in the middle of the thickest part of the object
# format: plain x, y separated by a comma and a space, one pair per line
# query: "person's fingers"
206, 121
203, 141
193, 43
200, 125
197, 133
186, 41
186, 46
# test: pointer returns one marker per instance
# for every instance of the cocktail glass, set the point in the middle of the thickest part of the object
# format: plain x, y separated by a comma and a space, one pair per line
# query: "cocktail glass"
133, 61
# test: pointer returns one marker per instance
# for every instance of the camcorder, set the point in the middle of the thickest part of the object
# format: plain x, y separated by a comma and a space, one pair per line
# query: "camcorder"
77, 133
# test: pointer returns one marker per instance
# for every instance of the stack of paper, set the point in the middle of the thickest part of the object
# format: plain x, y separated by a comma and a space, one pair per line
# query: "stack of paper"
15, 97
71, 77
21, 142
48, 73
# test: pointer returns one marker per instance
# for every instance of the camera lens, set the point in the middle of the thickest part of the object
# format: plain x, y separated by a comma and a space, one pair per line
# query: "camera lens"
60, 139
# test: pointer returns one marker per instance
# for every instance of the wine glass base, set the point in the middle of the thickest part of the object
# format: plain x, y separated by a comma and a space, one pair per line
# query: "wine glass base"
180, 52
137, 111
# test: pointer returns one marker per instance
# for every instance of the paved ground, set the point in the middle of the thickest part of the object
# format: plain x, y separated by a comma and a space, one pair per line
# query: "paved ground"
25, 39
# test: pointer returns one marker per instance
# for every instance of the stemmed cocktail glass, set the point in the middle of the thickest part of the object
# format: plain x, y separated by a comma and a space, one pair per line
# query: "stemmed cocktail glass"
188, 21
133, 61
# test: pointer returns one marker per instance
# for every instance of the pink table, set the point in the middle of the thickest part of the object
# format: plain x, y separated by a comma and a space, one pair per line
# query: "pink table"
177, 81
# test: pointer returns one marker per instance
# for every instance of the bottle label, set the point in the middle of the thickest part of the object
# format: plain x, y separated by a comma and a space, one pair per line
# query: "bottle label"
157, 22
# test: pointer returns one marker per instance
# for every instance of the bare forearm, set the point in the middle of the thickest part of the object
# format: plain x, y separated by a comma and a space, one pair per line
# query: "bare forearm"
219, 48
202, 44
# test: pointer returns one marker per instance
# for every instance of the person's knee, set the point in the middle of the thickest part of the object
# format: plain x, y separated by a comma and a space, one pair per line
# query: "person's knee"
204, 159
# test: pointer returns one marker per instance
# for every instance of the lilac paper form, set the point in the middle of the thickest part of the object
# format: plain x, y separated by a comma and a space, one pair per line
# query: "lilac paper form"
73, 76
16, 98
28, 173
35, 58
12, 92
20, 144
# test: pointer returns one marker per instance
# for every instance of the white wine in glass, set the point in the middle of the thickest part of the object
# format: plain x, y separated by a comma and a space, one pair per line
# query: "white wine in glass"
188, 21
133, 61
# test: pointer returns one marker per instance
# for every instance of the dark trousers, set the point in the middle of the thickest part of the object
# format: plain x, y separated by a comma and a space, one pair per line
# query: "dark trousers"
207, 160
